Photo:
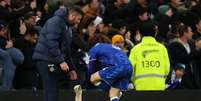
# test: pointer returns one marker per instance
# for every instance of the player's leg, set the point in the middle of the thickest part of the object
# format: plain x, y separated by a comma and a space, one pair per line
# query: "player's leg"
114, 94
121, 78
95, 79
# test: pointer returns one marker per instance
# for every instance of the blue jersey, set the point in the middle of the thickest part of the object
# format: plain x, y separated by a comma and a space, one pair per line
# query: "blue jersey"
113, 65
107, 55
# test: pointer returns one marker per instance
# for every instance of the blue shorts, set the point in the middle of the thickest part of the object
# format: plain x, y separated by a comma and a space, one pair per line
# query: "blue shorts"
117, 77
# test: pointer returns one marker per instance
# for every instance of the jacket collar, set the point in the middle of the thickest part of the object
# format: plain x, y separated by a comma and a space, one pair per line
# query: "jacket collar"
148, 39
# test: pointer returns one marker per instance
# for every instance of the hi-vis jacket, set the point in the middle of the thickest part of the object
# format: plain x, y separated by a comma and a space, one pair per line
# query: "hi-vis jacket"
150, 63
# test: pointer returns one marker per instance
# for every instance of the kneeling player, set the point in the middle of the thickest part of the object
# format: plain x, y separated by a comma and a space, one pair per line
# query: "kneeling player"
114, 69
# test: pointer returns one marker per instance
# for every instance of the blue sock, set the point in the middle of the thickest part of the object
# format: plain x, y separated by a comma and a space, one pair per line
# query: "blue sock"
114, 99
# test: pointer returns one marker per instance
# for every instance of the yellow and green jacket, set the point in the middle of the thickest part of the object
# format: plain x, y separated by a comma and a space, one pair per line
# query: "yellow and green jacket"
150, 63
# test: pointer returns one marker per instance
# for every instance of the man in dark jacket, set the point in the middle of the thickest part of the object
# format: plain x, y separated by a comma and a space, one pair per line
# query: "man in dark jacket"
52, 52
182, 50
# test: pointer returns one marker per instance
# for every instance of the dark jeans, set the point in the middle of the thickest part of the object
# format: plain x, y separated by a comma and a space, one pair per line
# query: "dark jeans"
49, 80
10, 58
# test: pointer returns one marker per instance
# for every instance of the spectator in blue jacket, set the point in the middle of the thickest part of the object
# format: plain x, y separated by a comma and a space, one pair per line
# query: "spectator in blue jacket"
52, 52
10, 57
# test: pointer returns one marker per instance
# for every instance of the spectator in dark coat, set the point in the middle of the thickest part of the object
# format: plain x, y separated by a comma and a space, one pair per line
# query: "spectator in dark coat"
143, 15
164, 22
177, 9
197, 33
196, 63
79, 51
196, 9
52, 53
113, 10
181, 51
26, 75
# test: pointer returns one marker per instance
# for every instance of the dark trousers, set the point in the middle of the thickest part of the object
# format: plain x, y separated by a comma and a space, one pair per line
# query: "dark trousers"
49, 80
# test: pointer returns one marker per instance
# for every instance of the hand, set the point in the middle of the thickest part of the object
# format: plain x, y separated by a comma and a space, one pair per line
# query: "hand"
9, 44
64, 67
33, 4
73, 75
22, 28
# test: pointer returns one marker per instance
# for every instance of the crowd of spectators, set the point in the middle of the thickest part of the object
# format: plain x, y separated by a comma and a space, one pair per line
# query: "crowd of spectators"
178, 27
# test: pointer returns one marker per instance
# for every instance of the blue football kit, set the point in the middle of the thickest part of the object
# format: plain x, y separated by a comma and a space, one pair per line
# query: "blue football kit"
112, 64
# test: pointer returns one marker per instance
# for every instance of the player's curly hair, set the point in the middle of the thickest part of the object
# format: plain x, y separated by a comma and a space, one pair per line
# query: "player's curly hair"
98, 38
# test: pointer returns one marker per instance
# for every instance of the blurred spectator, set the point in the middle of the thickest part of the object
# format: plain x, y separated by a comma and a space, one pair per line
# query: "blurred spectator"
197, 33
46, 14
193, 13
89, 32
92, 9
9, 15
139, 4
196, 9
181, 50
123, 42
40, 4
103, 27
66, 2
79, 49
128, 43
191, 3
196, 63
178, 6
143, 15
113, 10
30, 20
26, 75
135, 34
118, 40
143, 3
176, 76
10, 57
16, 11
164, 22
178, 9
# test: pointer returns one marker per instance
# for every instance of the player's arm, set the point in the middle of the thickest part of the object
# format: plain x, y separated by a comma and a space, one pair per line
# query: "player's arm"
92, 60
92, 69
